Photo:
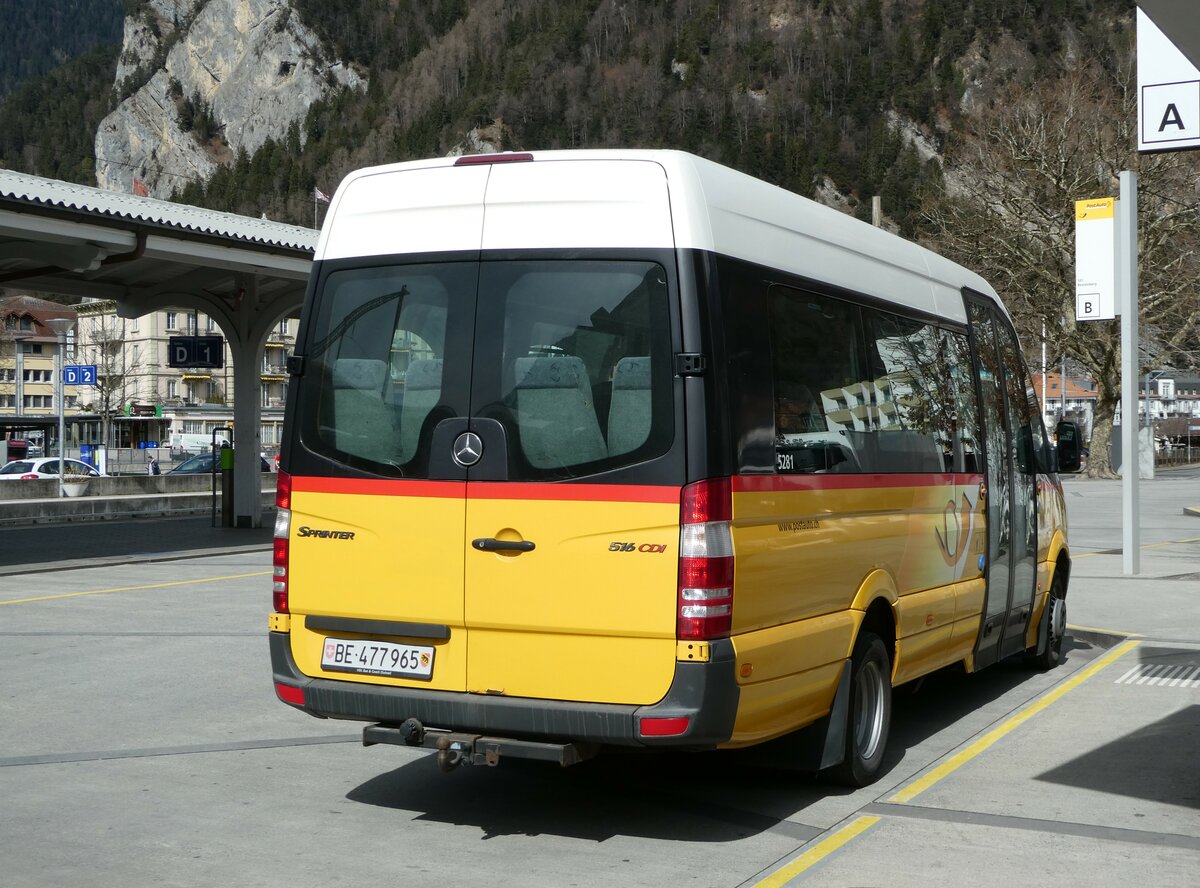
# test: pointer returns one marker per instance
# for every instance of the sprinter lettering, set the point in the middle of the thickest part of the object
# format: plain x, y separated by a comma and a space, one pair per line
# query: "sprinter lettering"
306, 531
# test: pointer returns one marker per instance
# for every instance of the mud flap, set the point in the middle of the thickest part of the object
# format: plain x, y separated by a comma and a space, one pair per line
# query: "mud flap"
834, 751
1043, 642
818, 746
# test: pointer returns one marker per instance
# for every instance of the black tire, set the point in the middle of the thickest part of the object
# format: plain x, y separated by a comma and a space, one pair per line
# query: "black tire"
870, 716
1056, 614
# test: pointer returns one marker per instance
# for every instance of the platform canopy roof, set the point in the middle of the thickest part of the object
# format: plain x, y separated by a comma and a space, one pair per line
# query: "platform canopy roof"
78, 241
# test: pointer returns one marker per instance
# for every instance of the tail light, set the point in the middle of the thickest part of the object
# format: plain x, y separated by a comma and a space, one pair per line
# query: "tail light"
673, 726
289, 693
705, 560
283, 528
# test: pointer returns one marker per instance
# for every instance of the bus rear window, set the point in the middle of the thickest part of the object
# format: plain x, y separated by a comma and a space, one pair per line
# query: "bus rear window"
572, 357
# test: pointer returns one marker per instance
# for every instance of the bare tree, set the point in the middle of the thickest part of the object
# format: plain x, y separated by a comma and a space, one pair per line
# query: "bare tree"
1005, 208
102, 342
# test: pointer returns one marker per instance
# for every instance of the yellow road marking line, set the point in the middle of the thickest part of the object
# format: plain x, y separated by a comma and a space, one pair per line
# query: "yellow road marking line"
1170, 543
1143, 546
261, 573
1106, 631
818, 852
957, 761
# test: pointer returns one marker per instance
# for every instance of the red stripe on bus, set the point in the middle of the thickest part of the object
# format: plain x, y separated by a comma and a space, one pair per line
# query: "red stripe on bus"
596, 493
784, 483
378, 487
484, 490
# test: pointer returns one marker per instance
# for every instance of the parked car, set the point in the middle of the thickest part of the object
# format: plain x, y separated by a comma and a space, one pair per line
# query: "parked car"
203, 463
45, 467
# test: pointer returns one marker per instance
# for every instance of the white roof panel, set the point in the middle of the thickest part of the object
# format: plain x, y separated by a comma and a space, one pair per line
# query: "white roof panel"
590, 199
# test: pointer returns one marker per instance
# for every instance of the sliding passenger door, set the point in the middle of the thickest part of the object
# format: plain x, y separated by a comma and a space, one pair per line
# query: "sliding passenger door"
1010, 478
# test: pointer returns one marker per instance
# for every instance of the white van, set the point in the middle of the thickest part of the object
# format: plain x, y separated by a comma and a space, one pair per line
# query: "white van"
184, 444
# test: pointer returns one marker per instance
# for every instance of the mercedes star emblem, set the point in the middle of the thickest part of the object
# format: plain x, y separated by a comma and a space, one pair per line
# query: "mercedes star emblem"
467, 449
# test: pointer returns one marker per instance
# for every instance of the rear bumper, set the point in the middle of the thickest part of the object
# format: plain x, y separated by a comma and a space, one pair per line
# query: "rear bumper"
705, 693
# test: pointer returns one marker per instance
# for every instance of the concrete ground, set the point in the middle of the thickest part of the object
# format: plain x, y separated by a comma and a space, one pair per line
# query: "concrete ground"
140, 744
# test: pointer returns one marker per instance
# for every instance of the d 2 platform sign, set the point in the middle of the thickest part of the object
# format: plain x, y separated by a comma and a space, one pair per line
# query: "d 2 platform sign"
1095, 259
1168, 92
207, 352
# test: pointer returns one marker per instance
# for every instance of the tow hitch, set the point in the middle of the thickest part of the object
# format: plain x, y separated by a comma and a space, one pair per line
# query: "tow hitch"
454, 749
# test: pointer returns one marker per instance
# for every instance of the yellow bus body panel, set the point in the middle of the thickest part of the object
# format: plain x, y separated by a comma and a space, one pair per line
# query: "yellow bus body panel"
407, 556
590, 613
804, 553
811, 561
788, 674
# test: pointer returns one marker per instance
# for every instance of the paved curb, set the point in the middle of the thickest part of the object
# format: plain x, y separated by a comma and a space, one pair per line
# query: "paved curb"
28, 512
146, 558
1100, 638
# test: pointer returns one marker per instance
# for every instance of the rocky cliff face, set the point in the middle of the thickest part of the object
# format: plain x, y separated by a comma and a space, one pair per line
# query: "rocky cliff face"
251, 67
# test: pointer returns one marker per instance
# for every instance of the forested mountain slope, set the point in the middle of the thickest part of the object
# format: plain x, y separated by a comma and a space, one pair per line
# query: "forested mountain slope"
839, 100
36, 37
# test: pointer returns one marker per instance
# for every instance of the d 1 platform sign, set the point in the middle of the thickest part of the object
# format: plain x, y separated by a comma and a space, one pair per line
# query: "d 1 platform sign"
196, 351
1095, 259
1168, 92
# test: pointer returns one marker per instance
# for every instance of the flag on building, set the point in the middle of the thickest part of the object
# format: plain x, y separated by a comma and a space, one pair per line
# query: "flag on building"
139, 188
320, 195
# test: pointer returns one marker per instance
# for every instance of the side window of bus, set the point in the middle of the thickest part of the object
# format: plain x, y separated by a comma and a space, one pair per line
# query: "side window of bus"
1040, 442
963, 455
913, 410
862, 390
1023, 415
818, 374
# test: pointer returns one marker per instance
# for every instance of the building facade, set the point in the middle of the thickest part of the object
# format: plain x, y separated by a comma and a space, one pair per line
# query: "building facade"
149, 402
139, 401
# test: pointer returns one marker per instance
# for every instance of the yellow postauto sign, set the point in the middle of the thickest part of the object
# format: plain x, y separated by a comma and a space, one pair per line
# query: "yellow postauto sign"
1095, 259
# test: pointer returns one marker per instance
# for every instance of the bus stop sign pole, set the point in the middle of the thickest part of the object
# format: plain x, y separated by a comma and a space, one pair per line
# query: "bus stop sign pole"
1127, 301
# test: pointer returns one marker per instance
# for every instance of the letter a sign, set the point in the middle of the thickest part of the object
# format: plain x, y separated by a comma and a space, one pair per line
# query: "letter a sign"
1168, 92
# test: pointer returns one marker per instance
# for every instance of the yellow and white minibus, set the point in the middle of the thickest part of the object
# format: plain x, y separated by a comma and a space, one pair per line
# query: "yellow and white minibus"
594, 449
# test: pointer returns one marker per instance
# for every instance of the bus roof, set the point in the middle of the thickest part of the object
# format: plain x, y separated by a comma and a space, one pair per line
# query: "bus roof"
631, 198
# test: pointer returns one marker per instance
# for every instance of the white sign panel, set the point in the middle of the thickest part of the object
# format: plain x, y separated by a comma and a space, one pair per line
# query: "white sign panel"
1168, 92
1095, 259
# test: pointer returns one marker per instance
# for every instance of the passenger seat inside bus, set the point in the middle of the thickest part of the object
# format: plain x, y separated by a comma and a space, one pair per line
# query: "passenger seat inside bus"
422, 391
363, 424
629, 410
557, 420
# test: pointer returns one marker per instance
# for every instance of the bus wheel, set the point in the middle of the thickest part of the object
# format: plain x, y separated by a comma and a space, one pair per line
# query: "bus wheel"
870, 712
1056, 613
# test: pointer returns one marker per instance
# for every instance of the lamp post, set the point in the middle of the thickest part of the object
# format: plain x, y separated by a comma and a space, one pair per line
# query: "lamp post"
60, 326
19, 374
